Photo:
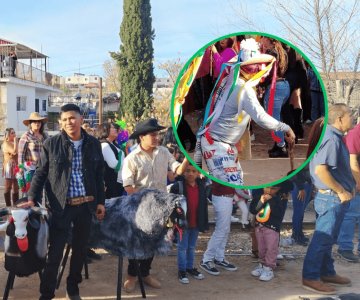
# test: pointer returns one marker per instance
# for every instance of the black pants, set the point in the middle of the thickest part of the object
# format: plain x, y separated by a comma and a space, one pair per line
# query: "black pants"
145, 266
80, 217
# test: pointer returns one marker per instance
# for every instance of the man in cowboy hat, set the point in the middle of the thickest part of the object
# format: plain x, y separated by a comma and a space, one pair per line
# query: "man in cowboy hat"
235, 105
147, 167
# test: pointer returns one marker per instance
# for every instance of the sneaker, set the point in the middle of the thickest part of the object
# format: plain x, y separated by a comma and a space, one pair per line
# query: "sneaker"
257, 271
252, 137
195, 273
183, 277
267, 274
348, 255
225, 265
209, 267
234, 219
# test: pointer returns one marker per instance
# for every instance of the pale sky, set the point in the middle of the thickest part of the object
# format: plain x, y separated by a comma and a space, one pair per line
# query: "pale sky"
82, 32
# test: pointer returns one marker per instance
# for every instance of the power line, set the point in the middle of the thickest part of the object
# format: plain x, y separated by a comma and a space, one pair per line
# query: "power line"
76, 70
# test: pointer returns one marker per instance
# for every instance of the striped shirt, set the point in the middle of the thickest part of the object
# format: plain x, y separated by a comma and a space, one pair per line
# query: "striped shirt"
76, 186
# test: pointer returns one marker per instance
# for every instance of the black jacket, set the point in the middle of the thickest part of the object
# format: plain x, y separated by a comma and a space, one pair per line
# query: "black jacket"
54, 170
277, 206
202, 213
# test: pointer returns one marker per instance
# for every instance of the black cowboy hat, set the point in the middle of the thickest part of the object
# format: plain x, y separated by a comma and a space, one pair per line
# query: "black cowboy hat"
145, 127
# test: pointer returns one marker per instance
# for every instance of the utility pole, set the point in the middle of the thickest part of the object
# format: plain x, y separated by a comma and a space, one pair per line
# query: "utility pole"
100, 102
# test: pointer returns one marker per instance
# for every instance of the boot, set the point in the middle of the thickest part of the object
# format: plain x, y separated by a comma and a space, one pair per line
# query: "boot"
273, 148
7, 198
279, 152
152, 281
130, 283
298, 129
15, 198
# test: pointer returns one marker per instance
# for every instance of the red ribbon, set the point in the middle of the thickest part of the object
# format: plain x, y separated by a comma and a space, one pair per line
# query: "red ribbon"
177, 227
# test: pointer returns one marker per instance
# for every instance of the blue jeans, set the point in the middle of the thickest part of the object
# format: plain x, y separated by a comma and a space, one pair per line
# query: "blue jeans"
318, 261
347, 229
317, 105
186, 249
299, 209
282, 94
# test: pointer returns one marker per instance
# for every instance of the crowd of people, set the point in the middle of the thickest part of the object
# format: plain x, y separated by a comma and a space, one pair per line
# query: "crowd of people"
80, 167
79, 171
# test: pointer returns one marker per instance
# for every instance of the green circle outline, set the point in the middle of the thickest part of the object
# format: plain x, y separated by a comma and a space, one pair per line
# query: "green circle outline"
272, 183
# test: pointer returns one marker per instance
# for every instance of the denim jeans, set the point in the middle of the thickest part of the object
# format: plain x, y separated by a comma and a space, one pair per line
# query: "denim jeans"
186, 249
299, 209
317, 105
282, 94
347, 229
318, 261
216, 246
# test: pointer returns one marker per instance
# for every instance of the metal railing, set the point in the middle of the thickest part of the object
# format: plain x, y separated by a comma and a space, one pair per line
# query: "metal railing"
26, 72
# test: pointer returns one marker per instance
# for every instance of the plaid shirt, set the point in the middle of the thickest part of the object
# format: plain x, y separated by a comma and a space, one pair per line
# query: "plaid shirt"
76, 186
29, 148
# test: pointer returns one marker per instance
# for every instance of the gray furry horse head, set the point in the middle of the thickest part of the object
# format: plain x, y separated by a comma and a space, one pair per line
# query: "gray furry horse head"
135, 226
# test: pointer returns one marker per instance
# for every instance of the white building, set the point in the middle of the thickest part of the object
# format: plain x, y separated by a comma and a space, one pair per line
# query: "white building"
82, 80
26, 88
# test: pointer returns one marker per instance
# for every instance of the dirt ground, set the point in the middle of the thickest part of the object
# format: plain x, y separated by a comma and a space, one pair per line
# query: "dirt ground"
228, 285
261, 169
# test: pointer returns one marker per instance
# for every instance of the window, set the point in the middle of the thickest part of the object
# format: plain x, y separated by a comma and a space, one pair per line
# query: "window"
21, 103
37, 105
43, 105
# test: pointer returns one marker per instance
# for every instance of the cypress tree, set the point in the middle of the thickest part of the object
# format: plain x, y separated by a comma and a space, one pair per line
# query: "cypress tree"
135, 59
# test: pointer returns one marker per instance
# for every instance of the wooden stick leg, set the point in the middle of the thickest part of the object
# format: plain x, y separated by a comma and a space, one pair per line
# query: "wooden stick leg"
119, 279
62, 267
9, 283
141, 283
